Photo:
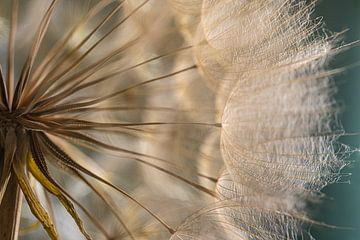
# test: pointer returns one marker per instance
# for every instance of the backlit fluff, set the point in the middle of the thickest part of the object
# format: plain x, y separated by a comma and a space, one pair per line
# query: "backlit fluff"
280, 120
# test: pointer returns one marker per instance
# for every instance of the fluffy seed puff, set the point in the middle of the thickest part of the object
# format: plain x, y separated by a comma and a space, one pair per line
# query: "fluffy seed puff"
153, 99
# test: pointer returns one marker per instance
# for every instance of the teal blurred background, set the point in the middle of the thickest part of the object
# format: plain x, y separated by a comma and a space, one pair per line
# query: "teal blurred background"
344, 207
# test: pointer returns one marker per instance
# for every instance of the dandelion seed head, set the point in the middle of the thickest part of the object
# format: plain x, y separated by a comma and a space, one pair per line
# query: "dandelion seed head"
194, 119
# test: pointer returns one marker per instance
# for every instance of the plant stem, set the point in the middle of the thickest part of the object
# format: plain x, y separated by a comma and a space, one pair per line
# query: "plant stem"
10, 209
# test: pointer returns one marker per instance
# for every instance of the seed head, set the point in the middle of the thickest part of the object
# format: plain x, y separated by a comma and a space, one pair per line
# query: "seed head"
194, 119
